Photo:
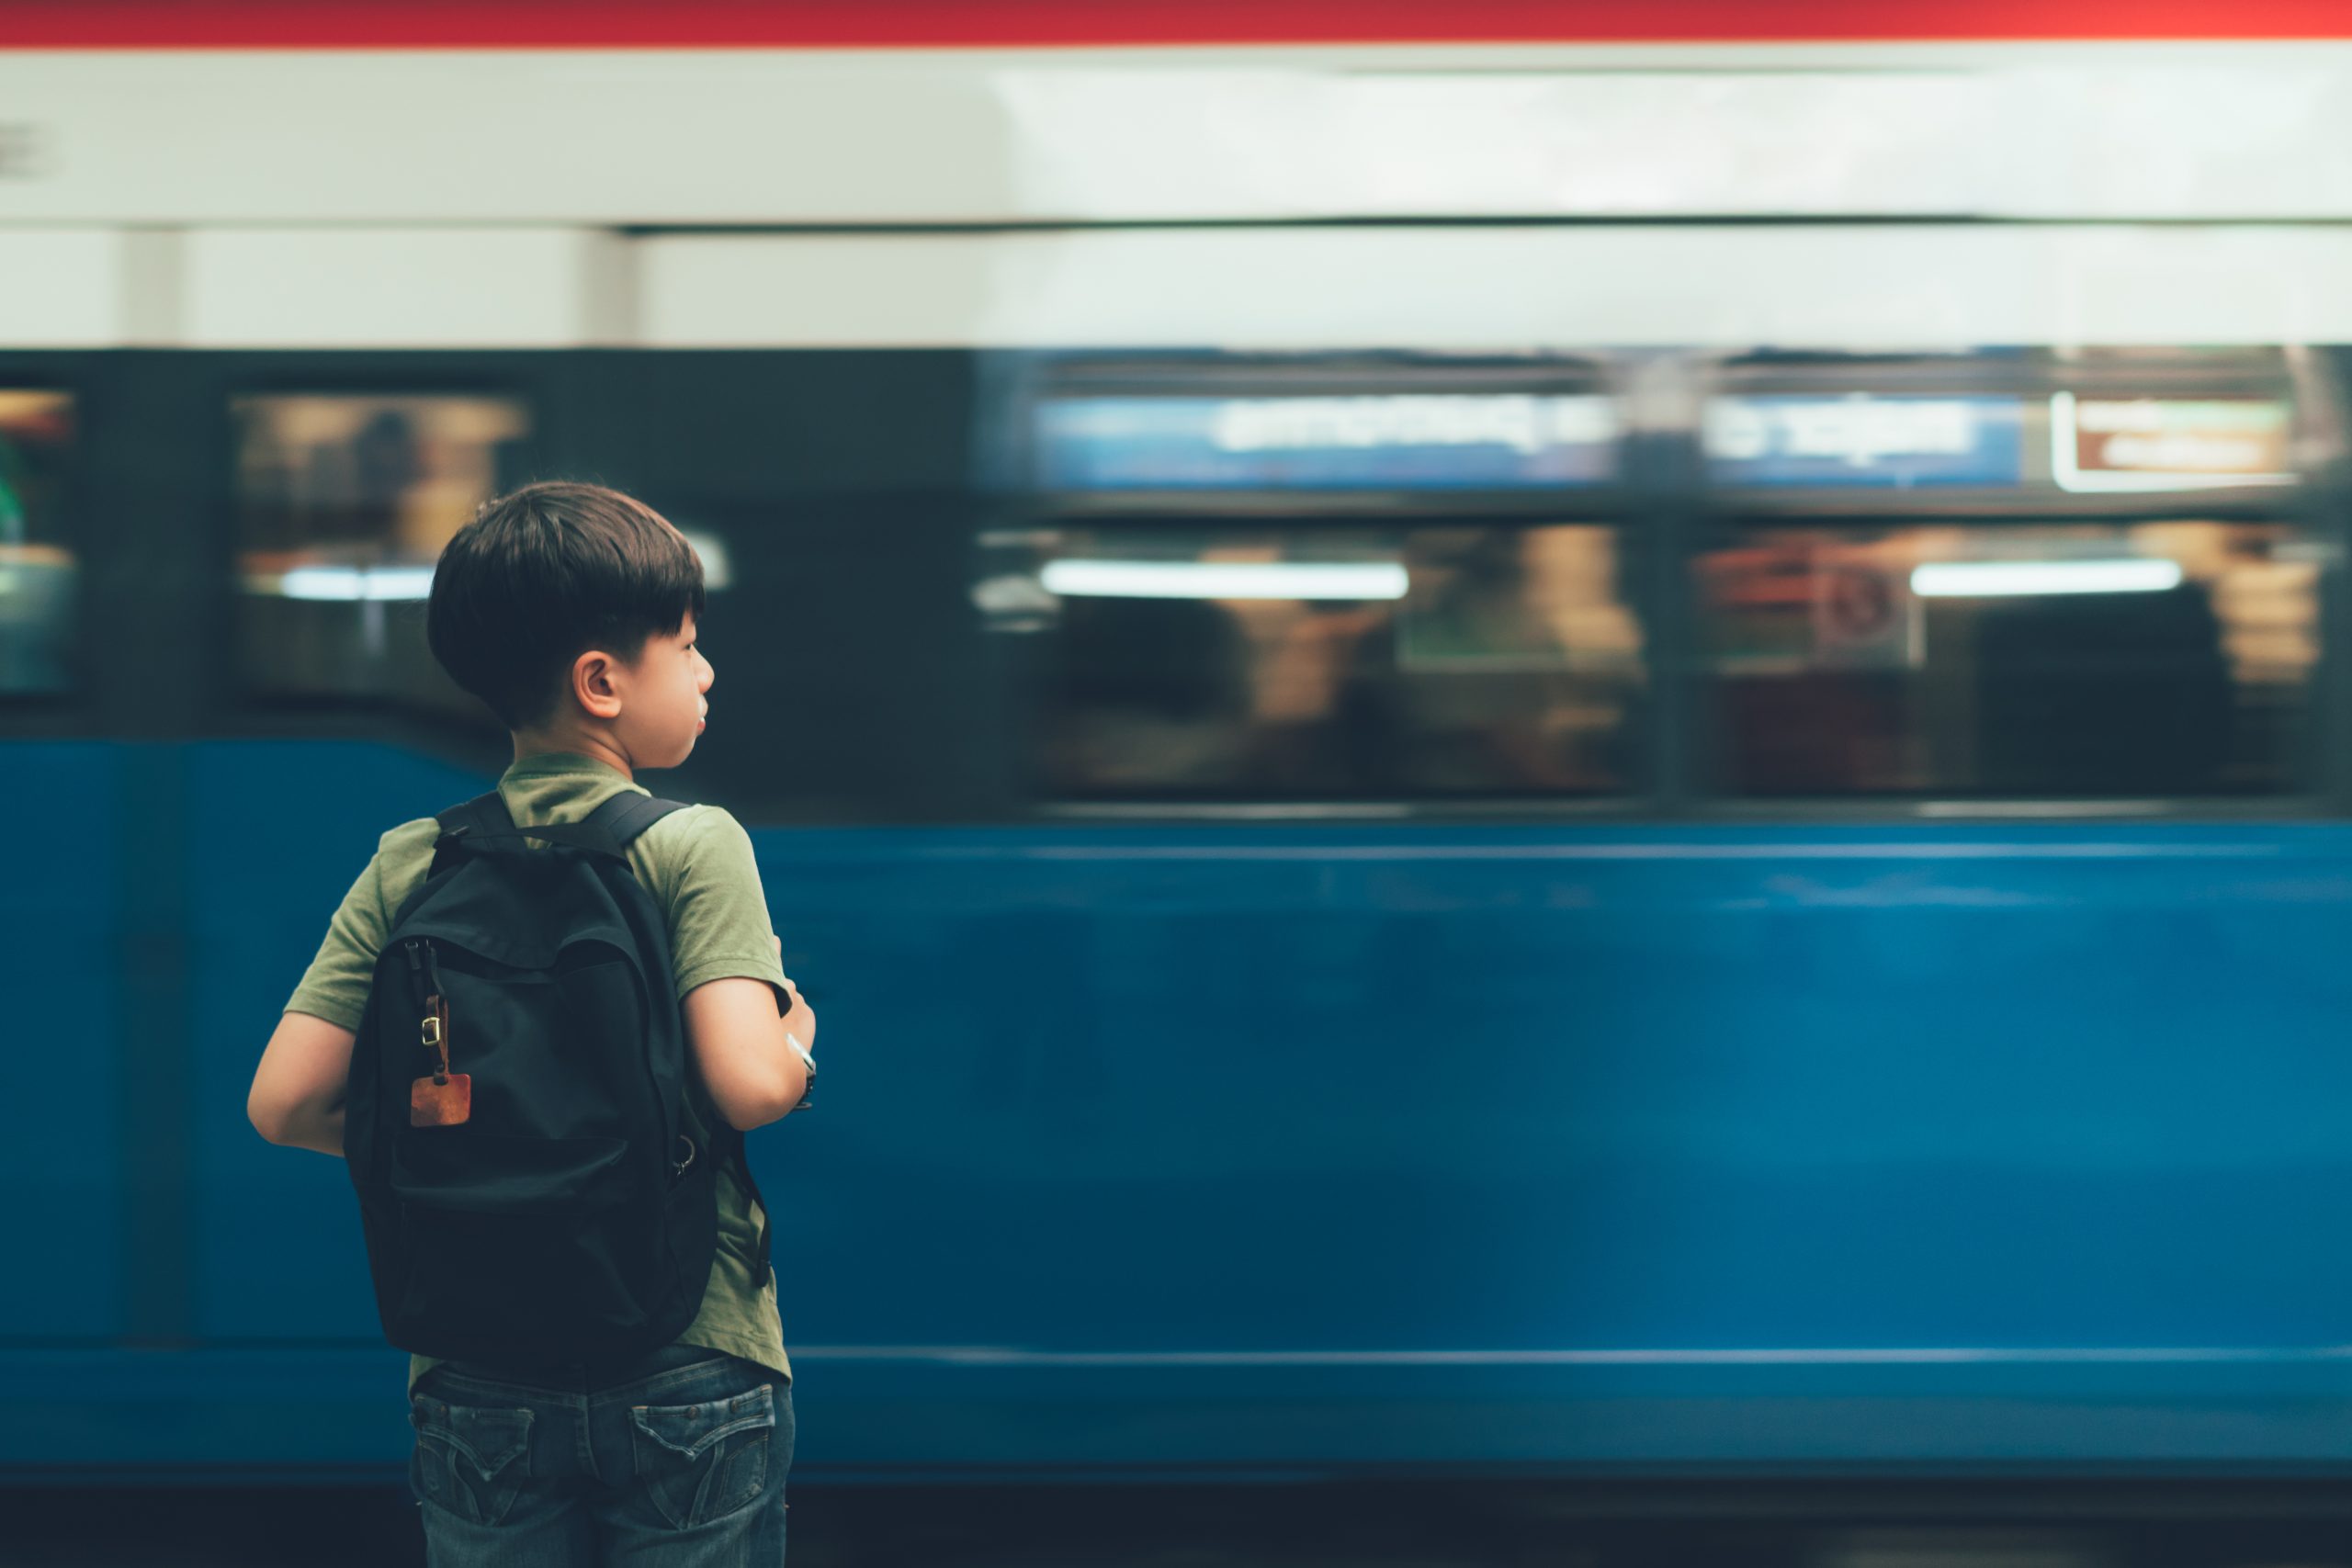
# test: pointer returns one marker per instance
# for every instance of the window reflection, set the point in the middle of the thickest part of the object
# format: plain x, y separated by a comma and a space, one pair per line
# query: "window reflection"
343, 504
2147, 660
1440, 662
38, 570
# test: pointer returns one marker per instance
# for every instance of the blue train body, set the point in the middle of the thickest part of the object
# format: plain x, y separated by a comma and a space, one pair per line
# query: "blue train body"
1284, 1149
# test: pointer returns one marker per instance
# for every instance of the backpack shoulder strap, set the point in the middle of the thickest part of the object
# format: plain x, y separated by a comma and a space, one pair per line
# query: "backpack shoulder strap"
609, 829
616, 824
485, 817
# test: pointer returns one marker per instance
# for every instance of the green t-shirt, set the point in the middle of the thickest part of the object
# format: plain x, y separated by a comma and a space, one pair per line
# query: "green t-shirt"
698, 864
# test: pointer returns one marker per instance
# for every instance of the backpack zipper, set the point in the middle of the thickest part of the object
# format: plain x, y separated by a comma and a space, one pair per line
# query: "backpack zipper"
424, 971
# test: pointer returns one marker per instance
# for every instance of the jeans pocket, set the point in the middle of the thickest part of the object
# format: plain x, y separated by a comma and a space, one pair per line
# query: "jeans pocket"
700, 1462
470, 1460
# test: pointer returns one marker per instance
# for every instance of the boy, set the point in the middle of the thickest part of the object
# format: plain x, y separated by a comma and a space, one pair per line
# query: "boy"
570, 609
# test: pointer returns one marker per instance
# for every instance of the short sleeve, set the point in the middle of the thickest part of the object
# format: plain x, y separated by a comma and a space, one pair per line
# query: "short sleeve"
717, 911
335, 986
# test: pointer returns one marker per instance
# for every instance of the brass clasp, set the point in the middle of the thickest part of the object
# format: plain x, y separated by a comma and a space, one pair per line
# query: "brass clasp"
436, 1032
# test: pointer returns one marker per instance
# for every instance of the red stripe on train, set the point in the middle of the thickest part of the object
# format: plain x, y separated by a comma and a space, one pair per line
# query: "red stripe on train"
837, 24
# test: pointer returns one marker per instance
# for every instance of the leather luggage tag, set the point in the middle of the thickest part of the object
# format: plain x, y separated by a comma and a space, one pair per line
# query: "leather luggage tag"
440, 1098
442, 1103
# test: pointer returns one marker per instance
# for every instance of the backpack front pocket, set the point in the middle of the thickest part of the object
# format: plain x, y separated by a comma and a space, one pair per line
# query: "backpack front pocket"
467, 1171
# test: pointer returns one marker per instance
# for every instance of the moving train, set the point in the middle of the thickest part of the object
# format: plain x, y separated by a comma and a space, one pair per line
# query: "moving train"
1544, 755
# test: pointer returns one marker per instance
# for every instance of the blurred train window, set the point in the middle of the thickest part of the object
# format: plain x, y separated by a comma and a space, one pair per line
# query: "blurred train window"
1256, 664
38, 570
2131, 659
343, 503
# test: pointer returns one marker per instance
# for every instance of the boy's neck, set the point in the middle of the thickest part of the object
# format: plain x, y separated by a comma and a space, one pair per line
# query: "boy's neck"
535, 743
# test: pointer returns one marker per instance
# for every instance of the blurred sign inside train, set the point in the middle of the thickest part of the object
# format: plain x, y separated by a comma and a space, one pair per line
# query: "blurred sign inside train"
1865, 617
1413, 442
1783, 441
2167, 444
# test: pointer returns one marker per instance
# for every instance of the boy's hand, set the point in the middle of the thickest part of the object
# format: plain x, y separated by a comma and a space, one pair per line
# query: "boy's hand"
800, 1022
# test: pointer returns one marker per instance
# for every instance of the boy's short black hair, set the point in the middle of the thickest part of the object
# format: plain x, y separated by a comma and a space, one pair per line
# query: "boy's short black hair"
543, 575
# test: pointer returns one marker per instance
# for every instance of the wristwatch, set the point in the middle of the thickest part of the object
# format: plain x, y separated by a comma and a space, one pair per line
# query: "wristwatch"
807, 1064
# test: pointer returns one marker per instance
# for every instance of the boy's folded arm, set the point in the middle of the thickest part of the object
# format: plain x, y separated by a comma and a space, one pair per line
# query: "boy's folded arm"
297, 1091
730, 984
738, 1039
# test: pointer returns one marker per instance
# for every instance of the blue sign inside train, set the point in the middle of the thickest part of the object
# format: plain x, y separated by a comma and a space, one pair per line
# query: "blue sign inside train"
1895, 443
1441, 441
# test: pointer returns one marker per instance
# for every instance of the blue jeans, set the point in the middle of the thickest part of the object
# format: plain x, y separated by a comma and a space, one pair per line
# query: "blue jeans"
677, 1461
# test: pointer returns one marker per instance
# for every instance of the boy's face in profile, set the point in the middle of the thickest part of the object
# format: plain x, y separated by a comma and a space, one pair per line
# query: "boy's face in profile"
662, 706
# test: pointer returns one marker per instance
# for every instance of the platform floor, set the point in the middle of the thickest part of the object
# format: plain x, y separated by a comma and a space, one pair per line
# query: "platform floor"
1400, 1524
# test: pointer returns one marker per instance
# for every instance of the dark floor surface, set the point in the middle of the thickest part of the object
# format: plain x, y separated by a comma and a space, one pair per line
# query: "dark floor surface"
1358, 1524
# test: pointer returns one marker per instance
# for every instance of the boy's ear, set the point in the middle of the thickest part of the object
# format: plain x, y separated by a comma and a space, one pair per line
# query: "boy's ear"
599, 682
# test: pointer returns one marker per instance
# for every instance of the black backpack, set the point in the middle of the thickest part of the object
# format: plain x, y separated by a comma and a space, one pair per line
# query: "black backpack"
537, 1164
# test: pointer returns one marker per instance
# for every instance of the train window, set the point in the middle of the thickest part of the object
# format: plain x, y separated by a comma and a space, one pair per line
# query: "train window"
2137, 659
1242, 664
38, 570
343, 503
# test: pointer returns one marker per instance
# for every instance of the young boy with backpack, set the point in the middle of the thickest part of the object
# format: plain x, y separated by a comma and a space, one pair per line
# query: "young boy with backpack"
538, 1030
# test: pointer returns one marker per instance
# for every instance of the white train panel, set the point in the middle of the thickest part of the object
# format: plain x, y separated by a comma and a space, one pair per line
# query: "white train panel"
2218, 131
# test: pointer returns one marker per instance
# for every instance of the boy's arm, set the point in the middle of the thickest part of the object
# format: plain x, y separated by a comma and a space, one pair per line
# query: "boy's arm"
738, 1043
739, 1006
296, 1098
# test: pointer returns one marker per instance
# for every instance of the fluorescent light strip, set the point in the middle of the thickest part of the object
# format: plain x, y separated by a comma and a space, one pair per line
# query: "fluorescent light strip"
1353, 581
346, 584
2006, 579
